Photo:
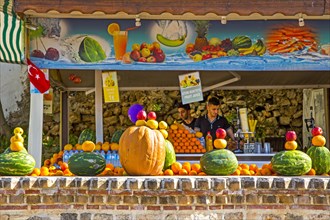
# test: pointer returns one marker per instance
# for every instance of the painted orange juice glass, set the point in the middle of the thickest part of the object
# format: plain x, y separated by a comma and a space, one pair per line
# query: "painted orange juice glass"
120, 42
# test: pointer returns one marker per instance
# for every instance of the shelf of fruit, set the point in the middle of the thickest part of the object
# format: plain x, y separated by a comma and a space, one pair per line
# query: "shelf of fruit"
146, 149
215, 48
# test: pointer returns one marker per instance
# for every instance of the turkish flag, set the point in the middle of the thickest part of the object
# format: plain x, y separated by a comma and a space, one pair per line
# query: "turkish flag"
37, 77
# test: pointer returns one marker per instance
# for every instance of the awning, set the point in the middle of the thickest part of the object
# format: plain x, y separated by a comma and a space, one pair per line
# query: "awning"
173, 9
168, 80
11, 34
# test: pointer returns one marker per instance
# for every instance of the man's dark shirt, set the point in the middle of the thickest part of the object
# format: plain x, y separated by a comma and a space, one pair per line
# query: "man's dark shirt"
192, 123
205, 125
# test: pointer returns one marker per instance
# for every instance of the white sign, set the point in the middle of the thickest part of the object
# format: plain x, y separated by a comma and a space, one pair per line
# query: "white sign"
190, 88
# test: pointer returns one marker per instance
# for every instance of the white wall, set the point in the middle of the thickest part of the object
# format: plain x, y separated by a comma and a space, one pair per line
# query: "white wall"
12, 77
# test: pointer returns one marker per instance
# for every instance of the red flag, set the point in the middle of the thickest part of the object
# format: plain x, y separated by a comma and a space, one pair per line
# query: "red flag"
37, 77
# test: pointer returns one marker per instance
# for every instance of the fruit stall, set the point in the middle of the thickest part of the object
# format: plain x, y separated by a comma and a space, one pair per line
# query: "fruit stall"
153, 167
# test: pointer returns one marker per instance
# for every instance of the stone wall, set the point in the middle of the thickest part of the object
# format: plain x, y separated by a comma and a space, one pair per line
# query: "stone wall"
229, 198
276, 110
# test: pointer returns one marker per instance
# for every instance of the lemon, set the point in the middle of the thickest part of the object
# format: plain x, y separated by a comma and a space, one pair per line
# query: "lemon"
68, 147
140, 123
162, 125
112, 28
153, 124
18, 130
164, 133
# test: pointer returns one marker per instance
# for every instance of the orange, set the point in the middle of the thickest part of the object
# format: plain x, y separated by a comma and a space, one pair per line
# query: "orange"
105, 146
236, 173
168, 172
174, 127
64, 166
36, 171
88, 146
192, 173
44, 171
253, 167
196, 167
252, 172
176, 167
110, 166
183, 172
245, 172
201, 174
47, 162
68, 147
112, 28
186, 166
311, 172
199, 134
114, 146
291, 145
318, 140
67, 172
245, 166
266, 172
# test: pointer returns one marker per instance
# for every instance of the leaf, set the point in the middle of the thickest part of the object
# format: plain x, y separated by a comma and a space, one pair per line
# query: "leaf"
36, 33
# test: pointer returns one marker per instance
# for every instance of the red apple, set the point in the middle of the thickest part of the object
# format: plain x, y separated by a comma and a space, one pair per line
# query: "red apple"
317, 131
151, 59
135, 55
141, 115
159, 55
143, 45
220, 133
152, 116
142, 59
290, 136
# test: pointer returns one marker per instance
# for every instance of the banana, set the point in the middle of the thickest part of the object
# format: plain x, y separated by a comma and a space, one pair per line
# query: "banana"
247, 51
170, 43
260, 47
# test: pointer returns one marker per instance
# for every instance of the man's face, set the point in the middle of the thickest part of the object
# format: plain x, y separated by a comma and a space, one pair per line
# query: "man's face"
183, 113
213, 110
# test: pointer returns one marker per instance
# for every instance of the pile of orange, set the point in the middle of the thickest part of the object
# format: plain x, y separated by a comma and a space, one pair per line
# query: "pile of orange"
253, 170
183, 141
185, 168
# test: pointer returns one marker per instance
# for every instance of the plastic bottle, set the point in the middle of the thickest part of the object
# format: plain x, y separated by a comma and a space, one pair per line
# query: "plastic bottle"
65, 156
209, 142
108, 157
102, 154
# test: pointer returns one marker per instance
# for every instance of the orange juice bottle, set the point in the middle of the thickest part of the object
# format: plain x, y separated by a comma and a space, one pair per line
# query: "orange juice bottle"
209, 142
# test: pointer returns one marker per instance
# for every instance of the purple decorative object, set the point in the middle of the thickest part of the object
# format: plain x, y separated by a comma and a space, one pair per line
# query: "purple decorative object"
133, 111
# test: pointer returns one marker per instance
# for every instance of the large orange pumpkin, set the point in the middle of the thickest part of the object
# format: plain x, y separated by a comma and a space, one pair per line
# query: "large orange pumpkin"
142, 151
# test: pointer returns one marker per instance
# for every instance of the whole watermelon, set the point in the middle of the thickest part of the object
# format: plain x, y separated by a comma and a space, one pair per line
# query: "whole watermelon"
87, 135
241, 42
16, 164
86, 164
116, 136
291, 163
170, 157
219, 162
320, 159
8, 150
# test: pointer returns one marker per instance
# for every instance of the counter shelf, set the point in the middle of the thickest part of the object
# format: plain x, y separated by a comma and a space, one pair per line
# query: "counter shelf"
253, 158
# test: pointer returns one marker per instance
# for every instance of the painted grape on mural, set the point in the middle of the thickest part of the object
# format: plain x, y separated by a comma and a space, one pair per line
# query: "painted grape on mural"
180, 45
